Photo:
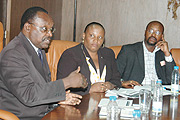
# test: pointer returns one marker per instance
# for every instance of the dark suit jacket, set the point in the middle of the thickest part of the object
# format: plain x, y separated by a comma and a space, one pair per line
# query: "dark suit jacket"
25, 85
74, 57
130, 62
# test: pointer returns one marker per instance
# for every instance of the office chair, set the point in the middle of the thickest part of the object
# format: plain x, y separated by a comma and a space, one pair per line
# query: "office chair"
5, 115
1, 36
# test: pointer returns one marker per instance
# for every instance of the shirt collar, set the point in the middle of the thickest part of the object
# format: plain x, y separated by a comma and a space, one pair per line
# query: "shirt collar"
145, 49
35, 48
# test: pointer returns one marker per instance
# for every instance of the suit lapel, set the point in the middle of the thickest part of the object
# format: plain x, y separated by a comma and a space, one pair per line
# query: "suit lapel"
46, 69
140, 54
32, 53
101, 62
90, 60
158, 67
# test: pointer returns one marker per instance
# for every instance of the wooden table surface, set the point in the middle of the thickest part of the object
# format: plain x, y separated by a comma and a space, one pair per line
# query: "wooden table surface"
88, 109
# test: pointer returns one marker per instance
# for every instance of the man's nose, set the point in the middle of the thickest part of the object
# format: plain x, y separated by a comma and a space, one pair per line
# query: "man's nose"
95, 39
50, 33
153, 34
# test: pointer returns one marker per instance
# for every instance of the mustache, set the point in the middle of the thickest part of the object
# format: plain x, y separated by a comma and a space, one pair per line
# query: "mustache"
150, 43
152, 37
46, 38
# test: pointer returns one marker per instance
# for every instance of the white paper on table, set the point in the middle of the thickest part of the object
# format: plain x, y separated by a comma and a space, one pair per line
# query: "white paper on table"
121, 102
124, 92
125, 113
111, 93
165, 92
146, 87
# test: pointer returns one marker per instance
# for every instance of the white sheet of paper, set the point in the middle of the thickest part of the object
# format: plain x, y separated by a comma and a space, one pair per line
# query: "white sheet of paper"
121, 102
138, 88
125, 113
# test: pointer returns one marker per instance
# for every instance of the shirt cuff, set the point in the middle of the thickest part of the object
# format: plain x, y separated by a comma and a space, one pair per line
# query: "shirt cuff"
169, 58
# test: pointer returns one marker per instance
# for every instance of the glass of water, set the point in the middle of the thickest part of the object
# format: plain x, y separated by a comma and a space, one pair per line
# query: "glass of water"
153, 83
144, 100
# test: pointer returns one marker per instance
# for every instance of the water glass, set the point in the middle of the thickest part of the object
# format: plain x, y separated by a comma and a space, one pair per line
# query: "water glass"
153, 83
144, 100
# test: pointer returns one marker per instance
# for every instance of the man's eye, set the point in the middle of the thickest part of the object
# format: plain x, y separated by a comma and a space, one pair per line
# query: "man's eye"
157, 32
151, 31
44, 29
100, 37
92, 35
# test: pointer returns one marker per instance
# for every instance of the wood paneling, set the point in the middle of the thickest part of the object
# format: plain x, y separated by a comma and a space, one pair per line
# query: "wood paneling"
67, 25
124, 20
3, 12
54, 7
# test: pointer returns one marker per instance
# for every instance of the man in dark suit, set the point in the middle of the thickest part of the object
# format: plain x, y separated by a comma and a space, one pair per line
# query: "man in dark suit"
142, 62
25, 85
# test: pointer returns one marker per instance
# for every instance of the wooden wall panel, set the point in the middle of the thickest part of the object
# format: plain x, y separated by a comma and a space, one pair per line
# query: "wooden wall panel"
67, 25
124, 20
54, 7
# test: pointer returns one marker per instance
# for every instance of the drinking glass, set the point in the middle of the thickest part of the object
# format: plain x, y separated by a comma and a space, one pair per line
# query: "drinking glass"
144, 100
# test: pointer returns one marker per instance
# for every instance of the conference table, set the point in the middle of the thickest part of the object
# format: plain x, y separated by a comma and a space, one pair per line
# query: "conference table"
88, 109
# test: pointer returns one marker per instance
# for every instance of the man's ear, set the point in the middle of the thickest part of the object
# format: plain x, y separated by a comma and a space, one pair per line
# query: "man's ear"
27, 27
83, 36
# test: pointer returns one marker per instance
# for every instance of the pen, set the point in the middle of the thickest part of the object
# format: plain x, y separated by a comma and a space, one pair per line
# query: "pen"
167, 89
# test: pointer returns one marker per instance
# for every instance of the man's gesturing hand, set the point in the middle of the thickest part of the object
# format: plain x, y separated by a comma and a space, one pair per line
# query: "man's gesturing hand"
75, 80
71, 99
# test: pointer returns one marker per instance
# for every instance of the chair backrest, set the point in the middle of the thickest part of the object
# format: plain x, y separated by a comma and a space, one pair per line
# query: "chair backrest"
5, 115
176, 55
55, 51
116, 50
1, 36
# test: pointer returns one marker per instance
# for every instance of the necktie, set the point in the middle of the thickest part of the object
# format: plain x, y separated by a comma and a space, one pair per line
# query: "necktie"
40, 55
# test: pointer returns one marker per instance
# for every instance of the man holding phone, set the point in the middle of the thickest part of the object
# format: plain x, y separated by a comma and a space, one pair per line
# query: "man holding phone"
142, 62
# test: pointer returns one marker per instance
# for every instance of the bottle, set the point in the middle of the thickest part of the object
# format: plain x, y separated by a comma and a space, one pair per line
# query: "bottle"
112, 109
175, 81
157, 102
136, 114
173, 107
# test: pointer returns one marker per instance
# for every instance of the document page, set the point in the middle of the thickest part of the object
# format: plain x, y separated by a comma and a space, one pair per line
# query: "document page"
121, 102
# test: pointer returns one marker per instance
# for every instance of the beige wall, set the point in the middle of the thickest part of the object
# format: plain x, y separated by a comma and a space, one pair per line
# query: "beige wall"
124, 20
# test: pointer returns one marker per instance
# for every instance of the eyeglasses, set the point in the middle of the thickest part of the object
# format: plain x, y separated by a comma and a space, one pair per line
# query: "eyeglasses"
156, 32
44, 29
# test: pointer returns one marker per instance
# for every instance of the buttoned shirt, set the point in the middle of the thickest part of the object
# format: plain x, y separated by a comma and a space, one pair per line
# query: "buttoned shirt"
149, 60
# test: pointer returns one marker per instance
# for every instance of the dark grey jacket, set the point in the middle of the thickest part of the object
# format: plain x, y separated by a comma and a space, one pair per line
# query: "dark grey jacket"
25, 85
130, 62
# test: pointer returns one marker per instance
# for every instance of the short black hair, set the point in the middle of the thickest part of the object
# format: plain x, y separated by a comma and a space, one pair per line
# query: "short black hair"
93, 23
156, 22
29, 14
